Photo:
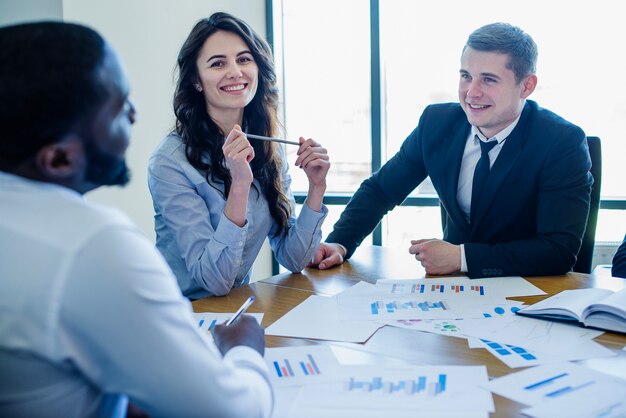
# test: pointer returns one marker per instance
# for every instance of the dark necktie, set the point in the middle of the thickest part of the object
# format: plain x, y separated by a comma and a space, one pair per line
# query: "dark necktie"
480, 175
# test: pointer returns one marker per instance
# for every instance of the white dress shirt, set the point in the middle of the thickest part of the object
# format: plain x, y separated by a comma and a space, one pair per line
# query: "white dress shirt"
89, 309
471, 155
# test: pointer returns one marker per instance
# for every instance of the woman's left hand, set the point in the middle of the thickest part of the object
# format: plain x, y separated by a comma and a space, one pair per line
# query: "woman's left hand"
313, 159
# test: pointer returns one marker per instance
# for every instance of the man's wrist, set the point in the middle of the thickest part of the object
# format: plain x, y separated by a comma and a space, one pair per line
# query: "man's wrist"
342, 249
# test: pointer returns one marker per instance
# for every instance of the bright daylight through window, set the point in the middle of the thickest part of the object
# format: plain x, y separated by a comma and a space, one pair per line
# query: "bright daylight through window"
326, 65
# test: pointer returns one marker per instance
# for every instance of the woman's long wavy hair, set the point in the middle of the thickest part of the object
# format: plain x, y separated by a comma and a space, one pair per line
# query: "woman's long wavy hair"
203, 138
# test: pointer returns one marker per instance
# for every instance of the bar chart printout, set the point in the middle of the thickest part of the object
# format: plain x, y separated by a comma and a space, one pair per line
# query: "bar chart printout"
307, 367
562, 389
395, 306
293, 366
399, 391
421, 385
422, 288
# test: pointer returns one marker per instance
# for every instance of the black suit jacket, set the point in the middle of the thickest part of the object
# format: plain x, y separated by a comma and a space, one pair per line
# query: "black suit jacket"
533, 208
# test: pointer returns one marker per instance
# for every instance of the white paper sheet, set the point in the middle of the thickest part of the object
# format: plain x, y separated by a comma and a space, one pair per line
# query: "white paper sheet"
600, 402
318, 318
538, 335
374, 392
567, 387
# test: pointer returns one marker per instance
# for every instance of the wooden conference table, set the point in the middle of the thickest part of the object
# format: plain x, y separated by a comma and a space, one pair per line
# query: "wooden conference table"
277, 295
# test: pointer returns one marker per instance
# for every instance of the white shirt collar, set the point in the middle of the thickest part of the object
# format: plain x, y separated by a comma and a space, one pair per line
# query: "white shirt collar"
500, 136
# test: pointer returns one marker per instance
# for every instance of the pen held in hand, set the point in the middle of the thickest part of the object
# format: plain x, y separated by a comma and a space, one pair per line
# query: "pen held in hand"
265, 138
241, 310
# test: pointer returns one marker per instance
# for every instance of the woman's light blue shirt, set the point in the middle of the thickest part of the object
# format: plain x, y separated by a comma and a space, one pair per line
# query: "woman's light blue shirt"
208, 253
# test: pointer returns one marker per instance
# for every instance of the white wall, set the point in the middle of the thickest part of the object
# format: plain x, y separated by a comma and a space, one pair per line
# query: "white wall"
16, 11
147, 34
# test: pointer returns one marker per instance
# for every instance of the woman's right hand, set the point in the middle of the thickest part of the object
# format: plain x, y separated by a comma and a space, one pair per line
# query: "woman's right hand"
238, 153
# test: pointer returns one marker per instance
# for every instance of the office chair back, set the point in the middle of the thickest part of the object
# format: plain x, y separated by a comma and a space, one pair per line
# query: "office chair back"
585, 255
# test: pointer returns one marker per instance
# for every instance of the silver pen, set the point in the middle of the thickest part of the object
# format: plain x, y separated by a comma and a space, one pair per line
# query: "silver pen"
266, 138
241, 310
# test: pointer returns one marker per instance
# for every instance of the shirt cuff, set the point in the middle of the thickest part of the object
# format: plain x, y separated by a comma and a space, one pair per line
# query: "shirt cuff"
254, 370
463, 260
243, 353
231, 234
310, 220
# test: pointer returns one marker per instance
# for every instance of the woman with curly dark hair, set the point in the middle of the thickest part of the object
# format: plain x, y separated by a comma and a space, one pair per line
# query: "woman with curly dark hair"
216, 195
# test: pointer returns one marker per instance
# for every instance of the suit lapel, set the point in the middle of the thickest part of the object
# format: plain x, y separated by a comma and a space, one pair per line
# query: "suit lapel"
453, 148
510, 153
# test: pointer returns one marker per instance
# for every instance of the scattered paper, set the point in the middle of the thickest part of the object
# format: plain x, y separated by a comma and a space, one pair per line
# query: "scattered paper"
318, 318
552, 389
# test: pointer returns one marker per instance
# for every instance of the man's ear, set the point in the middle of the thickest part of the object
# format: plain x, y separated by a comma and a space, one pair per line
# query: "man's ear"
530, 83
61, 160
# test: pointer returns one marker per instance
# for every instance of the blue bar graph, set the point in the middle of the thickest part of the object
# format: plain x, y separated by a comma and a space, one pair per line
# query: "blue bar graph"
441, 385
394, 306
407, 387
568, 389
278, 371
202, 321
374, 308
507, 350
303, 367
558, 385
308, 367
421, 383
545, 382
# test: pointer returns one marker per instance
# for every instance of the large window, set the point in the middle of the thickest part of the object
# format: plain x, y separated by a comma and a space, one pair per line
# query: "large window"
327, 85
358, 73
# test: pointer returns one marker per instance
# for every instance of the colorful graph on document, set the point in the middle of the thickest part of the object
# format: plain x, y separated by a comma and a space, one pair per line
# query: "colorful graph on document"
304, 367
415, 288
435, 324
509, 350
500, 310
420, 386
394, 306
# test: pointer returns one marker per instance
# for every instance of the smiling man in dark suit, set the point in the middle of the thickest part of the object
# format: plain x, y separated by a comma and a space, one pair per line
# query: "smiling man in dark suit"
512, 177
